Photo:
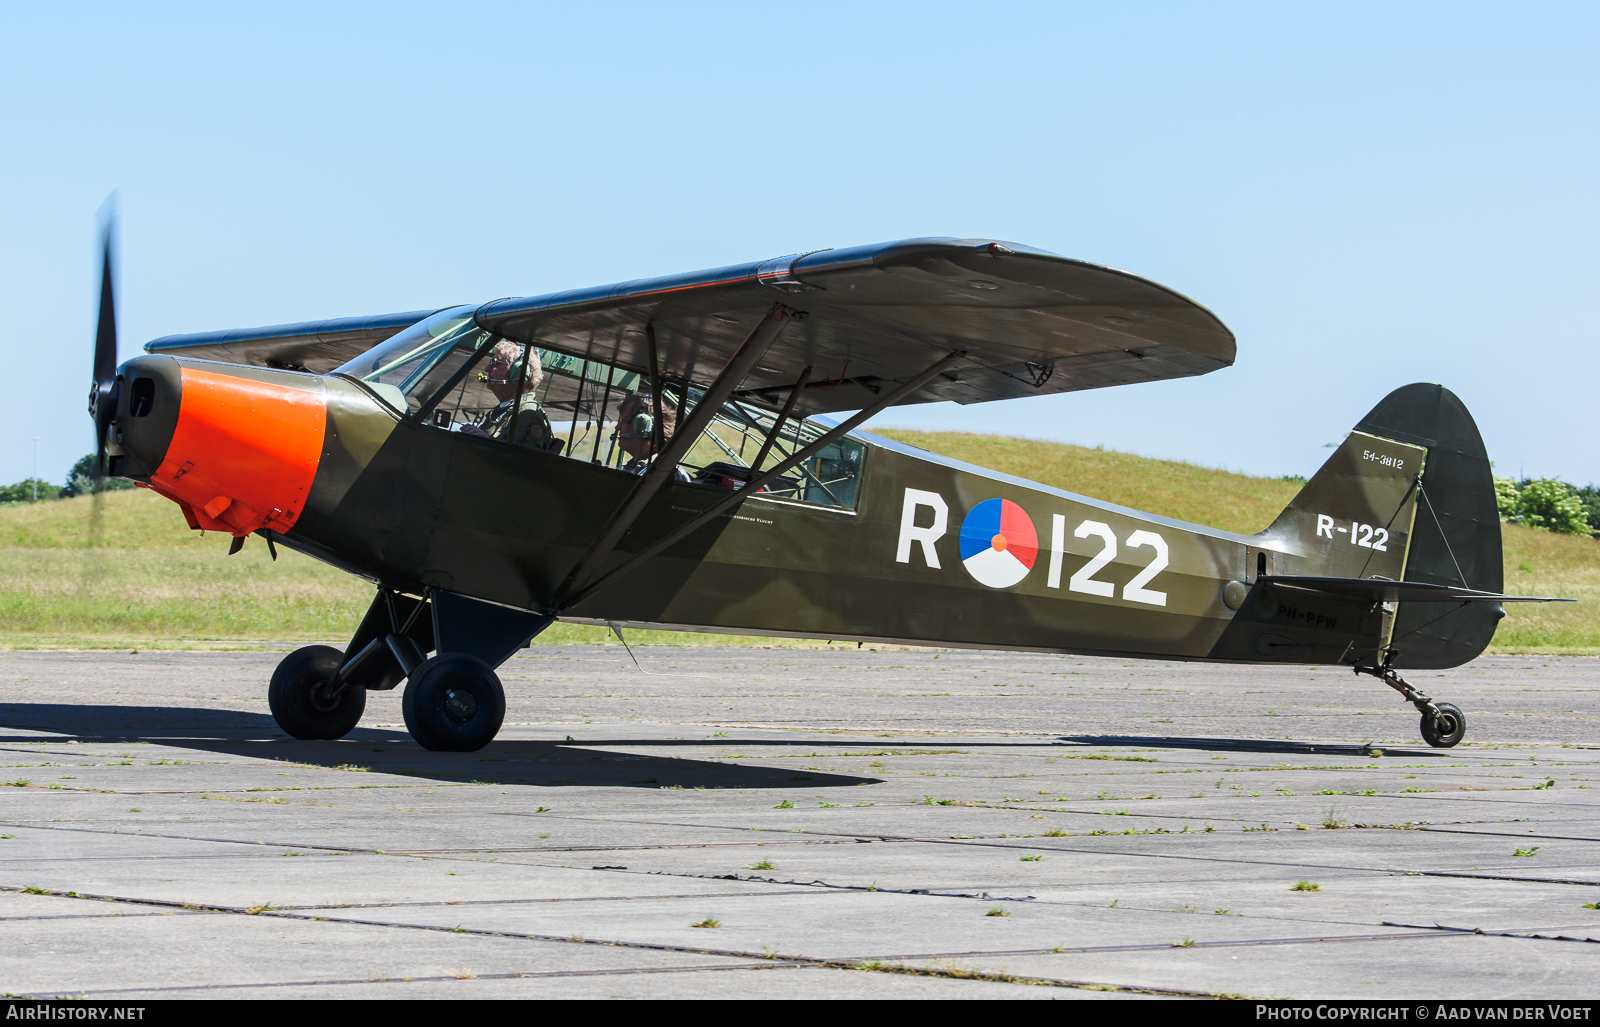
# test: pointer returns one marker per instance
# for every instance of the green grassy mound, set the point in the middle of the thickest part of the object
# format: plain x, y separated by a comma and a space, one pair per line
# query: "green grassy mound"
139, 578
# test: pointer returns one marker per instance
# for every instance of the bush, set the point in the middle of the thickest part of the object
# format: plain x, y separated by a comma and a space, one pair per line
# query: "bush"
80, 480
1505, 496
1589, 496
1546, 503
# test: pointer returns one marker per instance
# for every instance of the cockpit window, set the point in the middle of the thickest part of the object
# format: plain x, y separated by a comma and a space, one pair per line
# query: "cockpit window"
453, 375
411, 366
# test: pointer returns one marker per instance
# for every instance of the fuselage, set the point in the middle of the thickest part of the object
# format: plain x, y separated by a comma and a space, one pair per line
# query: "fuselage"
926, 550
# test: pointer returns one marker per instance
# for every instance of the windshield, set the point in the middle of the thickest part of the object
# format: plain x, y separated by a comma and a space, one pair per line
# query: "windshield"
431, 349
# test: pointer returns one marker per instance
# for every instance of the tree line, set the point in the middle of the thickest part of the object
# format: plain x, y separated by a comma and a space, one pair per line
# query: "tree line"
80, 482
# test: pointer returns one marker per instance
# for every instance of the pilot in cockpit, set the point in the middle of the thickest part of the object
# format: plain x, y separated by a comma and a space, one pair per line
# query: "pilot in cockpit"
504, 377
635, 431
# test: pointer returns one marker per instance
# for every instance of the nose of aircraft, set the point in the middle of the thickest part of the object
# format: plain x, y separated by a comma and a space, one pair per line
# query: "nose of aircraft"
235, 447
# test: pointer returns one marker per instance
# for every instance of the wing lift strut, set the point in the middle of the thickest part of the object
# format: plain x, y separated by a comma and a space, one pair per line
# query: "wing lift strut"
586, 580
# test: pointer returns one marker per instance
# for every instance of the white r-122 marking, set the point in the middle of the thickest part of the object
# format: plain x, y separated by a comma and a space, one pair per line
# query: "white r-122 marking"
1084, 579
1367, 539
1135, 590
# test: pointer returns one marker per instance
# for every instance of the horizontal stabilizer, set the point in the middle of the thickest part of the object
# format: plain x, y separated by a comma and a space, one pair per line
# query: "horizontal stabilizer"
1380, 590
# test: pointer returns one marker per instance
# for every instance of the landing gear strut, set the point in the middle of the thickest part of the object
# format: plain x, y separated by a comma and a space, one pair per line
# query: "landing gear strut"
1443, 725
453, 702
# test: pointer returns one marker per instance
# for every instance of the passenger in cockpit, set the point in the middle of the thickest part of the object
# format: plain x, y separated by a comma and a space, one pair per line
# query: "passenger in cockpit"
504, 377
635, 431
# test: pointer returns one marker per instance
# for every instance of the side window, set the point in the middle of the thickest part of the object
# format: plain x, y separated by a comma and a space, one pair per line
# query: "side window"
725, 452
453, 375
495, 395
584, 399
530, 397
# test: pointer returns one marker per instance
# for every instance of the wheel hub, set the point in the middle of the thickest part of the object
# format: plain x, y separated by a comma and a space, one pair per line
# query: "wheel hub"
323, 698
460, 705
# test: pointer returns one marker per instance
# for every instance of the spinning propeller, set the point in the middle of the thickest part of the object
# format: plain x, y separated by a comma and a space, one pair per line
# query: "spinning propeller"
103, 394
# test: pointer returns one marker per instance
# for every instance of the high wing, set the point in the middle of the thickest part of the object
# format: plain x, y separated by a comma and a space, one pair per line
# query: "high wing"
1028, 322
318, 346
1031, 323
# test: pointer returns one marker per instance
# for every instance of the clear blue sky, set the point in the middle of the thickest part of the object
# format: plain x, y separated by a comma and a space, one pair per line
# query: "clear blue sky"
1367, 194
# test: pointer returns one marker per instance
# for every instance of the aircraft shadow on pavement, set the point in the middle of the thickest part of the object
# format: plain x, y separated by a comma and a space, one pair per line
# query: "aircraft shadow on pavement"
1252, 745
391, 751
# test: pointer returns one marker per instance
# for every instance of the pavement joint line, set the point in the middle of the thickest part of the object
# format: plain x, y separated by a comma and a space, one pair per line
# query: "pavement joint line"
129, 859
592, 848
29, 825
1426, 932
1506, 834
619, 972
1269, 746
519, 902
101, 916
1500, 877
849, 963
1011, 844
1508, 932
947, 974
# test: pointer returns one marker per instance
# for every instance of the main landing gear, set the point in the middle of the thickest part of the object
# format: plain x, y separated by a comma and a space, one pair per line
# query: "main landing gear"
306, 702
1443, 725
453, 701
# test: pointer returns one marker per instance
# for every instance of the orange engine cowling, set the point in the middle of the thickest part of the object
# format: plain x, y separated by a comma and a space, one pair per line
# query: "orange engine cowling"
243, 452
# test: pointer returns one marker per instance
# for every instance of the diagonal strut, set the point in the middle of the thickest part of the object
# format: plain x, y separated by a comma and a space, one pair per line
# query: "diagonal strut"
758, 482
683, 438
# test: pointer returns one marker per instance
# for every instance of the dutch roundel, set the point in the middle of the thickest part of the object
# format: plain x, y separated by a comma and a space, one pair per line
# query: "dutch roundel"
998, 543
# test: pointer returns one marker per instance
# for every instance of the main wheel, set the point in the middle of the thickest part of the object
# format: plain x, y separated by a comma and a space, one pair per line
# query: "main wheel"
454, 703
1445, 730
299, 699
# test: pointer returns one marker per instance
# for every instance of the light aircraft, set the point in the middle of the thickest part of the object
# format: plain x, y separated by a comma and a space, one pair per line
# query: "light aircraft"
654, 454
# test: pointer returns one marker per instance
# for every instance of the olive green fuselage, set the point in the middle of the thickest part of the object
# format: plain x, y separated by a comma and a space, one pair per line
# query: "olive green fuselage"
410, 506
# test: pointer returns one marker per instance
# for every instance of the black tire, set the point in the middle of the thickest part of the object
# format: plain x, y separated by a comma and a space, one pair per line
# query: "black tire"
454, 703
1447, 730
298, 703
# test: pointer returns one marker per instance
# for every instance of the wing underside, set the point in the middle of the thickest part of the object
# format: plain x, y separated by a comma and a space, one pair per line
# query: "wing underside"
1028, 323
318, 346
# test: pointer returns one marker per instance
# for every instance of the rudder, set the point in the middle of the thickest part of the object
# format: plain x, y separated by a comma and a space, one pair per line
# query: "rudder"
1456, 537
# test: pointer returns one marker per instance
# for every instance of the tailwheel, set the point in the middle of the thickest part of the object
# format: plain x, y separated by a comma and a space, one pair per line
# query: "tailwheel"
1443, 724
303, 700
1445, 729
454, 703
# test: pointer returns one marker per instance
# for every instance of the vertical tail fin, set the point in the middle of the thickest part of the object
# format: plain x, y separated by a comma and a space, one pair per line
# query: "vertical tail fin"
1409, 495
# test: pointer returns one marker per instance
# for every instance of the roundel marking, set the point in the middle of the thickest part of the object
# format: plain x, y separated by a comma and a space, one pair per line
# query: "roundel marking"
998, 543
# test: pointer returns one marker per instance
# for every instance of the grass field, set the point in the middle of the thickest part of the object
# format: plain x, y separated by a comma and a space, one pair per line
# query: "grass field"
149, 582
